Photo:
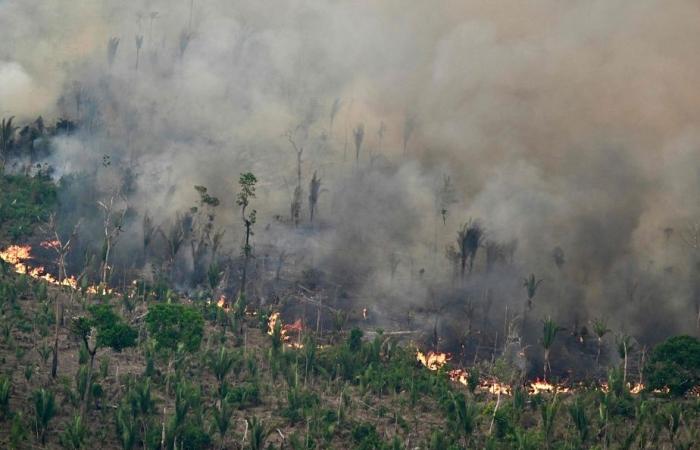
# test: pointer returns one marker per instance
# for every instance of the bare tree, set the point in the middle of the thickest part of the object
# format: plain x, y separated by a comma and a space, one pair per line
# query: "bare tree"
61, 247
113, 212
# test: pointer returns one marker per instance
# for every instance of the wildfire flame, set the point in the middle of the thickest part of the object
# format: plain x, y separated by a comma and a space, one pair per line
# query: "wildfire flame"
433, 360
286, 330
17, 255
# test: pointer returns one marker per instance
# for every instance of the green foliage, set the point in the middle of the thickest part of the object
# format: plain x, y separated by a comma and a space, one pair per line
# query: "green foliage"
126, 428
171, 323
222, 414
674, 364
5, 391
44, 410
24, 203
355, 339
577, 411
258, 433
73, 437
548, 411
111, 330
18, 432
464, 415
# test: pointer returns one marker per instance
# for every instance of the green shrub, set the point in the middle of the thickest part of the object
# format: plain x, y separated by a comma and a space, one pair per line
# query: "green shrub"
674, 364
170, 324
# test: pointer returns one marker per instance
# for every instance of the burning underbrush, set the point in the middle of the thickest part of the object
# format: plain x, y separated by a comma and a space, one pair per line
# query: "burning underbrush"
438, 361
20, 258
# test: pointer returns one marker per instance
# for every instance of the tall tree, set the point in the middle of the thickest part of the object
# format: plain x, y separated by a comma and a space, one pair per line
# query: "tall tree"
550, 329
61, 246
247, 183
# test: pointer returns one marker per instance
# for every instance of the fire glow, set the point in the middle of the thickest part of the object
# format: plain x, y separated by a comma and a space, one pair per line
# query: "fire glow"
435, 360
18, 255
286, 330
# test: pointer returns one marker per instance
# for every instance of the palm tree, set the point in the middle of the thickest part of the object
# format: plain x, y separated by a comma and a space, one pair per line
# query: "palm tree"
600, 328
549, 334
7, 132
466, 414
44, 409
221, 365
222, 417
577, 411
258, 433
469, 239
531, 284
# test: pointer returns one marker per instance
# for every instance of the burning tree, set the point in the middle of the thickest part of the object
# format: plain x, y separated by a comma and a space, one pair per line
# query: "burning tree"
247, 193
549, 334
469, 240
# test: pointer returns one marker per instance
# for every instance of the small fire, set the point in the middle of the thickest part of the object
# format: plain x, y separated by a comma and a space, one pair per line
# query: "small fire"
221, 303
433, 360
539, 386
286, 330
50, 245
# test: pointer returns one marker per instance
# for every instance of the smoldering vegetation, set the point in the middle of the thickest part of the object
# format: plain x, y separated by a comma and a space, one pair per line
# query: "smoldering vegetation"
463, 170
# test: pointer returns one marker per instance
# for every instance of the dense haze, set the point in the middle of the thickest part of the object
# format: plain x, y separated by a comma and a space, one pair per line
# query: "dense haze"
560, 124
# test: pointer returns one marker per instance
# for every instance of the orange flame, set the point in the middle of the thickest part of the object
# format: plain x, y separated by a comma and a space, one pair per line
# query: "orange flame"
433, 360
17, 255
285, 330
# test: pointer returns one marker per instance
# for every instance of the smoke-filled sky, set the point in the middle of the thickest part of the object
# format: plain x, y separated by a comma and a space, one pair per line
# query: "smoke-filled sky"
570, 124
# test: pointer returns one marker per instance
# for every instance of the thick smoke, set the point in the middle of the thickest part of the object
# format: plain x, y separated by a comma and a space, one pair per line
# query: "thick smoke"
561, 125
